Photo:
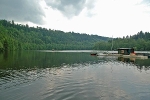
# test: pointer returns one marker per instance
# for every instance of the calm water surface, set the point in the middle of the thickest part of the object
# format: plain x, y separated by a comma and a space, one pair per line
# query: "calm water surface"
72, 75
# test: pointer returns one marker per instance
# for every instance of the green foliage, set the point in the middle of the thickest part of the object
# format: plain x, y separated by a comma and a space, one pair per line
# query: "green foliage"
22, 37
140, 41
1, 46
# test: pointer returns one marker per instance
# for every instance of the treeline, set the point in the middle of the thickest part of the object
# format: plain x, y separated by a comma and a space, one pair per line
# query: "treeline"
22, 37
140, 42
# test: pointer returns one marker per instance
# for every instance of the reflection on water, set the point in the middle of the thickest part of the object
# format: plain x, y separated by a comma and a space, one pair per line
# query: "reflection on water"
32, 59
126, 59
140, 63
34, 75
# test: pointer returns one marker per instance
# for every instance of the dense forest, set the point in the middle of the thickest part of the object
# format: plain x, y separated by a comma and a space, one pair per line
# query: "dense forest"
140, 42
14, 36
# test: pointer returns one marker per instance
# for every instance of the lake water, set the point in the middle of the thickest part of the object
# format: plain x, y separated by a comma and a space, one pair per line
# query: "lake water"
72, 75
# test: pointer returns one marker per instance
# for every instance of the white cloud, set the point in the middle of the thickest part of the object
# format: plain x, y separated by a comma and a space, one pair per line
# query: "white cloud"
109, 17
102, 17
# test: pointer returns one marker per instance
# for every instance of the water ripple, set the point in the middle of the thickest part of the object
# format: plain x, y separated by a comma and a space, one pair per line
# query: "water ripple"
103, 80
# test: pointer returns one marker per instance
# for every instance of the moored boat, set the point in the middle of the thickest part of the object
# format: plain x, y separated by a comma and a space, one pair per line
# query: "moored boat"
93, 54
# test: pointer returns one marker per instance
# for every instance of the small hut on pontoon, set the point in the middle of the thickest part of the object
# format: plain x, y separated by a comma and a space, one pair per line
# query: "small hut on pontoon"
125, 51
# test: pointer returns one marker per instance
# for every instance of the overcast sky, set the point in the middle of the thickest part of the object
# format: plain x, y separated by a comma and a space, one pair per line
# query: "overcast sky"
109, 18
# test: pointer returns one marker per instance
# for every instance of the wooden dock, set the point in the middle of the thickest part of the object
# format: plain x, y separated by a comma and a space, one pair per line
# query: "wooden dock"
124, 56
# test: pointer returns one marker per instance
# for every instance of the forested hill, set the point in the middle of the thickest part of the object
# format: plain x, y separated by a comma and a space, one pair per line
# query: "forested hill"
139, 41
22, 37
141, 35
